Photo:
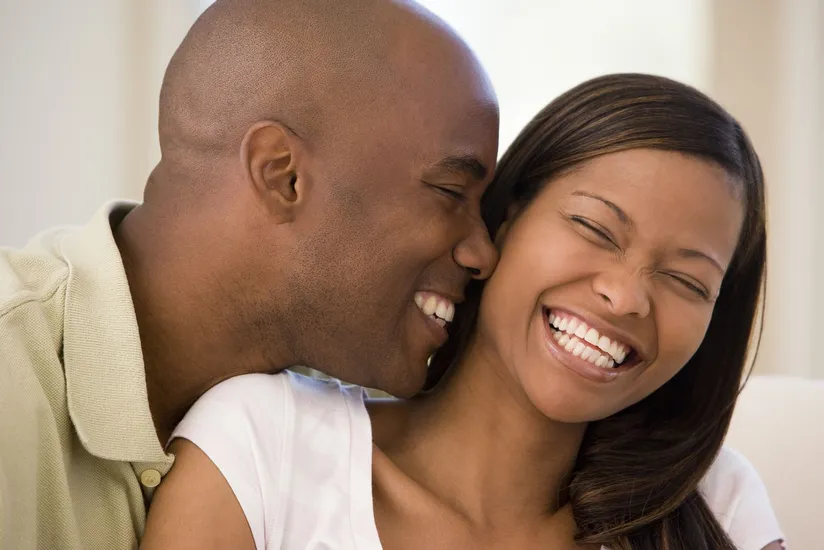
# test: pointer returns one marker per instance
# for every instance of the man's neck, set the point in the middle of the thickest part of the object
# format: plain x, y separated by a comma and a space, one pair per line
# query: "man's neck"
188, 343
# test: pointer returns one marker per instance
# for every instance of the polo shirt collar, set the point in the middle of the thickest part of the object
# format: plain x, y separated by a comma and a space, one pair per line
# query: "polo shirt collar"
105, 375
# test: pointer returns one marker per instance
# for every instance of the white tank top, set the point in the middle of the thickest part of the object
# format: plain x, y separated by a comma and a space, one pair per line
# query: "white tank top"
297, 453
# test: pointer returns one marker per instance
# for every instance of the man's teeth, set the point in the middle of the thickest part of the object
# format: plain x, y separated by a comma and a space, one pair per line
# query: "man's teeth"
571, 334
435, 306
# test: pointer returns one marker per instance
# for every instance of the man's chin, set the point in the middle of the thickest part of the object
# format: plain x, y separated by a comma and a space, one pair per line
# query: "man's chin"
401, 378
402, 382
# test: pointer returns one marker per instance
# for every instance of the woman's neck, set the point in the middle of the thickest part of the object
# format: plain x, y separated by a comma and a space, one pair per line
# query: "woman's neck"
478, 444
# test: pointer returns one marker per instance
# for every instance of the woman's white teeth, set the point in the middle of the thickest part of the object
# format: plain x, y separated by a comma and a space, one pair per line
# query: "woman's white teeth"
572, 332
577, 348
592, 336
437, 307
613, 349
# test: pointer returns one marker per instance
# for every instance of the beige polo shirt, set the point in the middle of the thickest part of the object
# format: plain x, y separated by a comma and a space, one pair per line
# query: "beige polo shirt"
78, 449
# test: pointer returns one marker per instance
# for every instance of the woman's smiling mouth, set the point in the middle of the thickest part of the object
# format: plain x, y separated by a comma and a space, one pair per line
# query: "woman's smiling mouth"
586, 350
578, 338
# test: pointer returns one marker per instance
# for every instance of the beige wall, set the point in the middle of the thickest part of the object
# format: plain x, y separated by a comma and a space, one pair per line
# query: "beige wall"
78, 94
534, 51
767, 68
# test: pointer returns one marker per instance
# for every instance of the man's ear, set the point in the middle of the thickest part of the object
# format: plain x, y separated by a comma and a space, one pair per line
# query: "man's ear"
269, 153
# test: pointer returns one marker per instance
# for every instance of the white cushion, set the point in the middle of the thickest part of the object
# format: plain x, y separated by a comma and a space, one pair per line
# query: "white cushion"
778, 425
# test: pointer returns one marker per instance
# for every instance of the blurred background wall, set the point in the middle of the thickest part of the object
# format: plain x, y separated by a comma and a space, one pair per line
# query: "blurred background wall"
79, 83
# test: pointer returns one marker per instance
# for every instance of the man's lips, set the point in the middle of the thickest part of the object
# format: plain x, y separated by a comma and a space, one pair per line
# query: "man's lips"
437, 306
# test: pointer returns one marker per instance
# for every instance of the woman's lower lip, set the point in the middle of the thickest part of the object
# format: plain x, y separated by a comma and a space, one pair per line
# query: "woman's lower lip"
576, 364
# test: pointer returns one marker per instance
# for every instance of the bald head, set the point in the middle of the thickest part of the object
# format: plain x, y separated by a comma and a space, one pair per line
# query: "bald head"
323, 161
312, 65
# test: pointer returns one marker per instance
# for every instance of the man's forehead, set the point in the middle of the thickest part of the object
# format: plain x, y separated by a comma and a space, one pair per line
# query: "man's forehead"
464, 141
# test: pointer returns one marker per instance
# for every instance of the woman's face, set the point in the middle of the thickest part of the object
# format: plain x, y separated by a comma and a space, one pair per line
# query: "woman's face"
607, 281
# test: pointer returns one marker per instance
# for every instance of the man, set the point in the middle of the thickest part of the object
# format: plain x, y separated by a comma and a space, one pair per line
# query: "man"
322, 168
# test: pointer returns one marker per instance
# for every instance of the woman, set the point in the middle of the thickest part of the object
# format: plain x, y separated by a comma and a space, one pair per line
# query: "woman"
584, 394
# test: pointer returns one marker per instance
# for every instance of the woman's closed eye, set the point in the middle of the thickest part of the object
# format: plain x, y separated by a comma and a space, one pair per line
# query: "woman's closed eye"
693, 286
595, 230
605, 239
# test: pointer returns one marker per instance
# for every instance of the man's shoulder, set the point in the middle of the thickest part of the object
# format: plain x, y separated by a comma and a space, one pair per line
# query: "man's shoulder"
33, 276
33, 282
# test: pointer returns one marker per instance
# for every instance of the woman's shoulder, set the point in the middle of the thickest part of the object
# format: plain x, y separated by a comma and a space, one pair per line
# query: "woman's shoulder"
275, 438
738, 497
730, 462
730, 476
265, 412
329, 419
267, 395
320, 393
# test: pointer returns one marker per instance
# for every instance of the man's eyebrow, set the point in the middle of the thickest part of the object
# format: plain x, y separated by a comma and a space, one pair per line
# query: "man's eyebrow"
464, 164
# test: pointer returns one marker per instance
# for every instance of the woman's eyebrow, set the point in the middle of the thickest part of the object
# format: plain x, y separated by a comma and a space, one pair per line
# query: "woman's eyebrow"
612, 206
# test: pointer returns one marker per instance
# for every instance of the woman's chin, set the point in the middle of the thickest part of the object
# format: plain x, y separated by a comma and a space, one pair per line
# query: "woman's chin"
562, 400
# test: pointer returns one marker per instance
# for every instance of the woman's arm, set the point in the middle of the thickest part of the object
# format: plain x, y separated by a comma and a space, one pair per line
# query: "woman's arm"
229, 450
194, 507
775, 546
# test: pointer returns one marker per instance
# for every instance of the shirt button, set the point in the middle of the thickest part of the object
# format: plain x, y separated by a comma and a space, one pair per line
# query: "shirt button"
150, 478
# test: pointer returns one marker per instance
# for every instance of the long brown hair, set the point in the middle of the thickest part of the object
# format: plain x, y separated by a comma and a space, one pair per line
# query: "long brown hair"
634, 485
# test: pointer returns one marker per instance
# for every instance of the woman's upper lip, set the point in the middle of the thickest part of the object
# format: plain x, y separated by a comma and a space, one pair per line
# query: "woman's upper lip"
604, 328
